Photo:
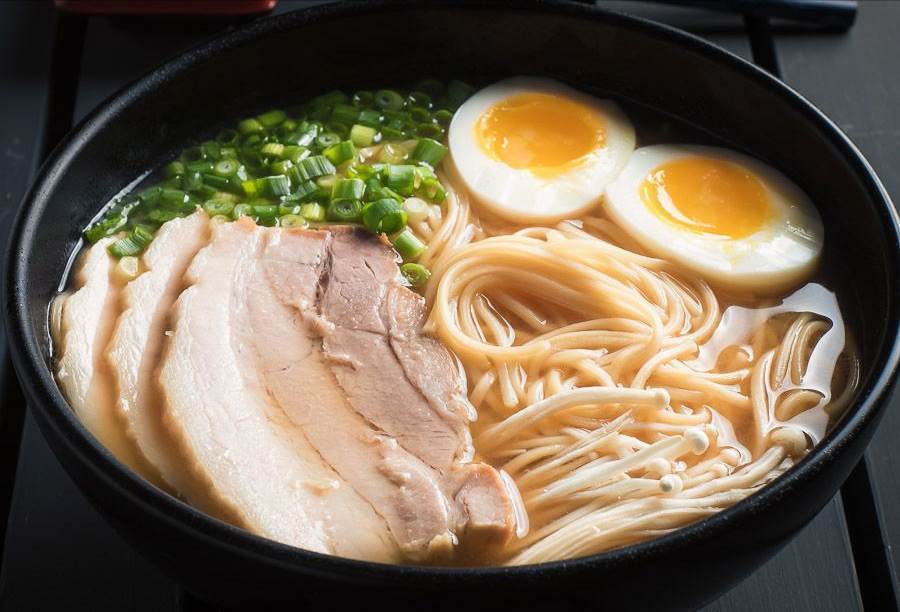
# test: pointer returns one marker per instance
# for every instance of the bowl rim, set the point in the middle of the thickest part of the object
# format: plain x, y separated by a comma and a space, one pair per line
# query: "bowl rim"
42, 392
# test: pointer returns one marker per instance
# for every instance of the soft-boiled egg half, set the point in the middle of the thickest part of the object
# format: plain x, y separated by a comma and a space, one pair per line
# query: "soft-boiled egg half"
533, 150
731, 218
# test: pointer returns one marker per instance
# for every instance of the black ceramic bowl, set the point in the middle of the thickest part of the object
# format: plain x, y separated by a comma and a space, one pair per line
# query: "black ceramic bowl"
290, 57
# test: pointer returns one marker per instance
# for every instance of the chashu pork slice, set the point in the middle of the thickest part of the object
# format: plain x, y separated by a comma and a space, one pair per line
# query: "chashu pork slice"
256, 462
81, 331
137, 342
285, 329
356, 367
404, 381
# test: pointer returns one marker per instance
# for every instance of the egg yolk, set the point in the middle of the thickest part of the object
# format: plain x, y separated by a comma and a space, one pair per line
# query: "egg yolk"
707, 195
544, 133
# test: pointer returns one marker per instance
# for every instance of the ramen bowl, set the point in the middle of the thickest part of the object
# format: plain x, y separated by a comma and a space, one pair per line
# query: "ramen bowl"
665, 71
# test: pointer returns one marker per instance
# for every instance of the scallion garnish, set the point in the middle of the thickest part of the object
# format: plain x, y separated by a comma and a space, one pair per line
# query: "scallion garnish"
302, 165
384, 216
327, 139
292, 221
218, 207
312, 167
132, 244
274, 186
313, 212
271, 118
362, 135
400, 178
340, 152
388, 99
415, 274
348, 189
407, 245
250, 126
345, 211
429, 151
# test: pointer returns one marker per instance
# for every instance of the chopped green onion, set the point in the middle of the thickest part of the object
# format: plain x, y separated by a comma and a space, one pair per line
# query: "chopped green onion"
327, 139
241, 210
307, 135
340, 152
369, 117
226, 167
174, 168
304, 191
363, 98
362, 135
271, 118
416, 209
161, 215
292, 221
420, 115
281, 166
210, 149
429, 130
341, 129
312, 167
219, 182
174, 198
360, 171
218, 207
400, 178
272, 149
348, 189
429, 151
384, 215
344, 211
388, 99
265, 211
249, 126
278, 185
192, 181
313, 212
132, 244
249, 187
200, 166
228, 153
326, 183
288, 208
443, 117
344, 113
407, 245
294, 153
106, 227
389, 133
415, 274
432, 189
419, 99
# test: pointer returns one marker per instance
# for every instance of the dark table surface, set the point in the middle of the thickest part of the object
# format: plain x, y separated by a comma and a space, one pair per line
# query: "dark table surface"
59, 554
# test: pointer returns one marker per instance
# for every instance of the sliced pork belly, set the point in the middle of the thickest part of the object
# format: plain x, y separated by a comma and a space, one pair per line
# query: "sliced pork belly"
283, 325
256, 462
404, 383
82, 330
296, 359
136, 344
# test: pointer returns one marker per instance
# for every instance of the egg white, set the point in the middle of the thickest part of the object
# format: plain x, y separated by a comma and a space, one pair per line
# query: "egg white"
519, 195
781, 254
